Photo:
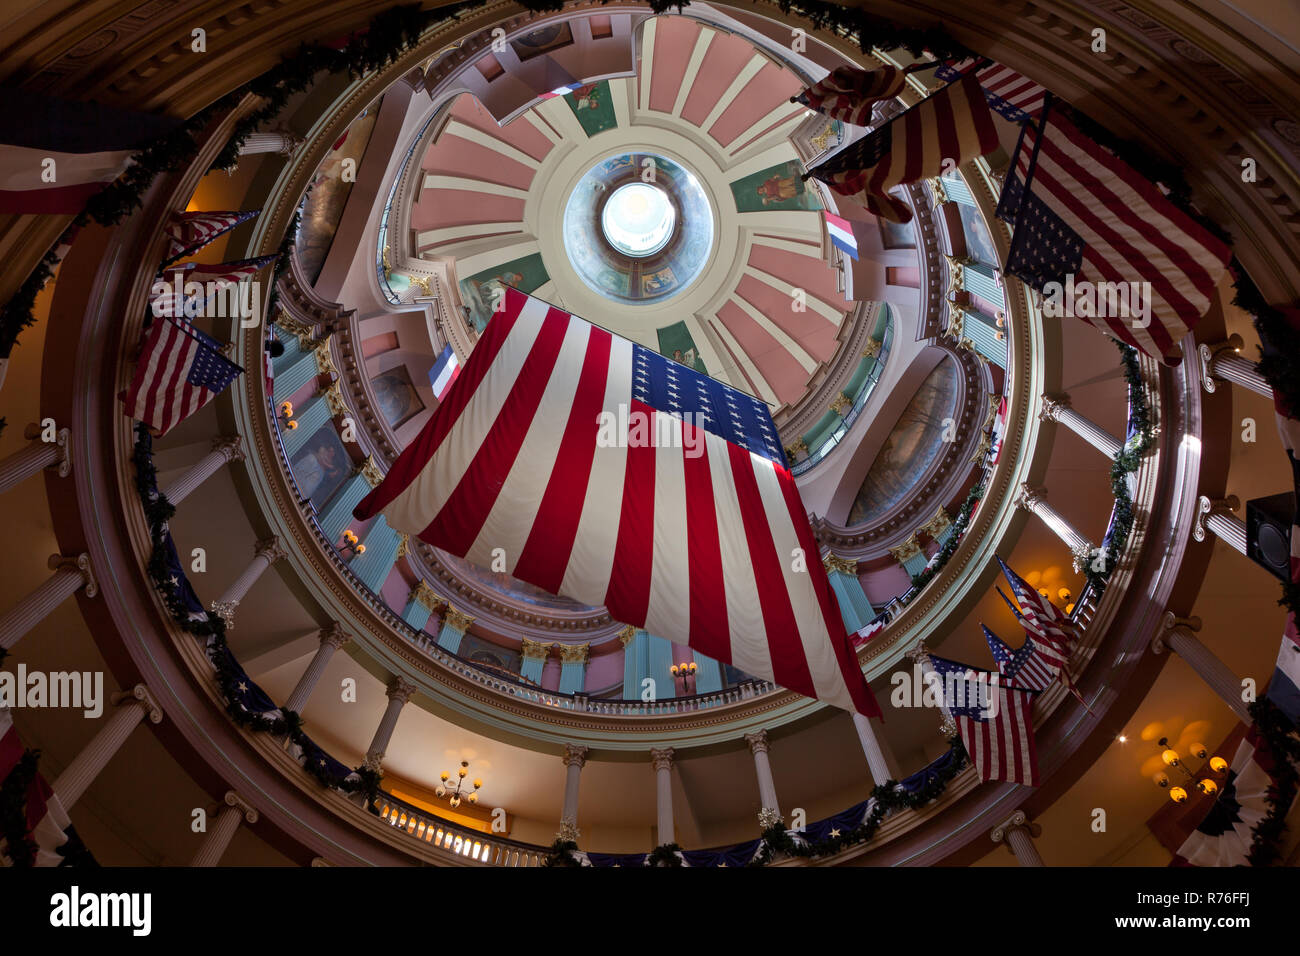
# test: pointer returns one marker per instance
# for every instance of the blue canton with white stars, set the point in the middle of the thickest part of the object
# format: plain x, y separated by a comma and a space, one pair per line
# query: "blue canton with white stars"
1044, 249
210, 369
733, 416
962, 679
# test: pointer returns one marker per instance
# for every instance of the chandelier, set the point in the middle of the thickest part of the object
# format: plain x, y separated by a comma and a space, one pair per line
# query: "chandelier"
1206, 785
455, 794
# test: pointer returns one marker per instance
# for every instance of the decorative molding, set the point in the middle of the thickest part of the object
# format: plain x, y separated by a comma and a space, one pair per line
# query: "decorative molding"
426, 595
661, 758
457, 620
233, 799
627, 635
324, 357
908, 549
304, 332
333, 396
575, 755
757, 741
939, 523
371, 472
401, 689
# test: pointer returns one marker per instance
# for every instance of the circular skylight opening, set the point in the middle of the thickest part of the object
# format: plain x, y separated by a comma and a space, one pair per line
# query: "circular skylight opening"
638, 219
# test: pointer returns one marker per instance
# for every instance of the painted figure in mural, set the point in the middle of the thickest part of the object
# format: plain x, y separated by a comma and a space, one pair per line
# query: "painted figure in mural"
657, 282
779, 189
493, 290
320, 465
686, 358
587, 97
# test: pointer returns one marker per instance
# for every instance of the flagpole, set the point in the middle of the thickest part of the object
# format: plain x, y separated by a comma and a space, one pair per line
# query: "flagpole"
1048, 101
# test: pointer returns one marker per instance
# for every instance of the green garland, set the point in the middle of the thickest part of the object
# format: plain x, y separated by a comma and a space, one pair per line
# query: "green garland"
1278, 733
871, 31
665, 854
561, 853
1127, 461
158, 510
922, 577
776, 840
13, 810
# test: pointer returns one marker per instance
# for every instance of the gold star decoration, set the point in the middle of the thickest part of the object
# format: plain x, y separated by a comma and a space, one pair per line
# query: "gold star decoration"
835, 834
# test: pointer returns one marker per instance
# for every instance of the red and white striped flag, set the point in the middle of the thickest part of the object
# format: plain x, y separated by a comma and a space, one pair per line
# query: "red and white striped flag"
993, 719
179, 371
848, 93
188, 232
58, 153
1008, 93
600, 470
952, 125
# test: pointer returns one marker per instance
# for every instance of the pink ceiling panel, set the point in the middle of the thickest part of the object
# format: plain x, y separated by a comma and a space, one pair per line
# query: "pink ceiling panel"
520, 133
810, 329
460, 207
674, 42
771, 87
726, 57
453, 156
783, 373
808, 272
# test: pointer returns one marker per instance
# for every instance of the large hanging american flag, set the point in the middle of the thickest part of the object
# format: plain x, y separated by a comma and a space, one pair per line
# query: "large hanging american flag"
1082, 215
993, 719
1009, 94
179, 371
952, 125
600, 470
188, 232
848, 93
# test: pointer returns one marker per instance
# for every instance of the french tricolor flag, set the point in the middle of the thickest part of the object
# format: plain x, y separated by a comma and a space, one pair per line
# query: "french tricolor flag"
842, 234
444, 372
561, 91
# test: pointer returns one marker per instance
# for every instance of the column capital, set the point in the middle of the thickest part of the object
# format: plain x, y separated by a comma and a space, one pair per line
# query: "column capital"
61, 438
1169, 623
1207, 506
400, 689
374, 762
324, 358
140, 694
908, 549
1052, 406
79, 563
757, 741
1017, 821
371, 471
1208, 352
833, 562
333, 396
842, 404
230, 446
1030, 497
535, 650
574, 653
575, 755
938, 523
425, 595
334, 635
662, 757
459, 620
232, 799
226, 611
270, 549
628, 634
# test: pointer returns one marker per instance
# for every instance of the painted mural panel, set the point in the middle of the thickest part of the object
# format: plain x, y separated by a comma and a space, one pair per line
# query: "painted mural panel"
911, 447
321, 466
396, 394
328, 194
593, 105
491, 656
480, 291
979, 244
777, 187
677, 343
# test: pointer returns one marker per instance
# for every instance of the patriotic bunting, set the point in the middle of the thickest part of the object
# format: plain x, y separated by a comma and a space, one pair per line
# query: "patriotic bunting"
612, 475
848, 93
46, 836
952, 125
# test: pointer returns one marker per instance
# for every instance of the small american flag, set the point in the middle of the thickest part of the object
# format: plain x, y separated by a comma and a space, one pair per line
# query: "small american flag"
848, 93
1033, 666
179, 371
605, 472
1037, 613
1009, 94
993, 719
953, 125
1080, 214
216, 280
188, 232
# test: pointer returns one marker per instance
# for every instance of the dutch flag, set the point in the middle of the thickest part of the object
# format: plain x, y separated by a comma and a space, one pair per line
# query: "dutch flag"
842, 235
444, 372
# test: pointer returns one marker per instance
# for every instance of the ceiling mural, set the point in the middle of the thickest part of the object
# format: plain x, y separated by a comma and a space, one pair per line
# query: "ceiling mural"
329, 194
777, 187
593, 105
481, 291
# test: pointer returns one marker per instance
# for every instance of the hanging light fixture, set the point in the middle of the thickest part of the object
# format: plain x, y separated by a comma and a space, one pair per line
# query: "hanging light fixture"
454, 794
351, 543
1206, 785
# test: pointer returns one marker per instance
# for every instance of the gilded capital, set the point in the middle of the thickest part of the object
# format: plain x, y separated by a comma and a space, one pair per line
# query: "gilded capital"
833, 562
458, 620
908, 549
425, 595
841, 405
627, 635
324, 358
371, 472
937, 524
334, 399
574, 653
536, 650
297, 328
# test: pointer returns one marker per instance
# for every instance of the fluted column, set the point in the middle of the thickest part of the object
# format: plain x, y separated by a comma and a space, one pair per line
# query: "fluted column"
70, 575
877, 762
131, 707
1018, 834
420, 604
235, 811
454, 625
1059, 410
1034, 501
1215, 514
331, 639
575, 758
573, 667
399, 692
282, 142
268, 552
763, 769
1222, 362
224, 450
663, 764
1180, 638
37, 456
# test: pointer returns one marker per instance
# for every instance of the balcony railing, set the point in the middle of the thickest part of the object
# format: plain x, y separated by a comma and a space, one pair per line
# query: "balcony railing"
473, 845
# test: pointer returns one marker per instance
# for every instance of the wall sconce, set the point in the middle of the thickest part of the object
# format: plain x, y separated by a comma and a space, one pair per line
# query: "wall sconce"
286, 415
351, 544
687, 674
1174, 761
